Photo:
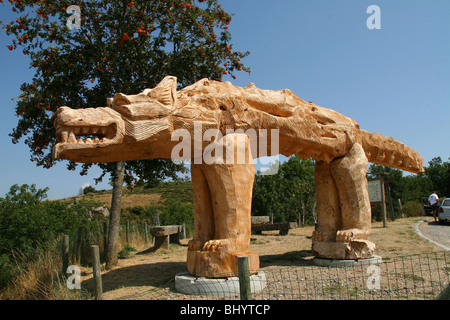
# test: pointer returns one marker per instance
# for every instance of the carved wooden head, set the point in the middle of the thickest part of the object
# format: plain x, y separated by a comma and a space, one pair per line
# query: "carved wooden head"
100, 134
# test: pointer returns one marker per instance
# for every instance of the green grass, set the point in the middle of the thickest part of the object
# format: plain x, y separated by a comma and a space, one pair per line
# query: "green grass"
126, 250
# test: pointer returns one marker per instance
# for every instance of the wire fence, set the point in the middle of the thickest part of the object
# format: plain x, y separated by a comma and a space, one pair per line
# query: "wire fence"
413, 277
419, 277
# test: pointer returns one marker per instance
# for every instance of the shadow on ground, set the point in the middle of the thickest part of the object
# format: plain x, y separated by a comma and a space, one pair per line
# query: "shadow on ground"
155, 275
292, 258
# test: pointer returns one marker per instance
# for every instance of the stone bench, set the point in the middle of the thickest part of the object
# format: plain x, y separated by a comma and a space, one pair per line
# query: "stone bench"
164, 235
283, 227
260, 220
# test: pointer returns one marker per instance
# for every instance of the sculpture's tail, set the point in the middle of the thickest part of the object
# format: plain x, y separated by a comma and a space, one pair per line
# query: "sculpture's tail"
389, 152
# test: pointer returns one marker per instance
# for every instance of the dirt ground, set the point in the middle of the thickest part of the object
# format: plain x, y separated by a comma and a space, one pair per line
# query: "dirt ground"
147, 269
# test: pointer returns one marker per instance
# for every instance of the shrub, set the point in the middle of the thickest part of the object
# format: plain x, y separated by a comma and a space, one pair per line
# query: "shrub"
412, 209
176, 213
89, 189
28, 223
125, 252
138, 210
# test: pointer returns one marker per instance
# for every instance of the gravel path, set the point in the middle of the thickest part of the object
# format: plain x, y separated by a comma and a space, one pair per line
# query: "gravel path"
437, 233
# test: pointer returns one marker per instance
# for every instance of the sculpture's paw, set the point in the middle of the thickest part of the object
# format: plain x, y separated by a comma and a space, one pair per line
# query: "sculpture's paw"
223, 245
345, 235
348, 235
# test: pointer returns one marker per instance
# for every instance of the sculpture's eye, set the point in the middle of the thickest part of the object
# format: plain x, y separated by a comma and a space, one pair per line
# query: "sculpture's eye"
120, 100
164, 92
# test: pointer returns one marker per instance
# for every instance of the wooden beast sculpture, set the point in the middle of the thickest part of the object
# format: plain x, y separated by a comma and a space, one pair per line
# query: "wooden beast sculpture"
142, 126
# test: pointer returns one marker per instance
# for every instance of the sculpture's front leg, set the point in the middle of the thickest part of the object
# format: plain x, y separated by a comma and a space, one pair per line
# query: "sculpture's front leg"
222, 205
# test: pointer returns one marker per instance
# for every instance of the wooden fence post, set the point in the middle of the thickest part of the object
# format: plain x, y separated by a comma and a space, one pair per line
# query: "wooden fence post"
244, 278
105, 235
445, 294
146, 231
97, 273
65, 254
78, 246
127, 232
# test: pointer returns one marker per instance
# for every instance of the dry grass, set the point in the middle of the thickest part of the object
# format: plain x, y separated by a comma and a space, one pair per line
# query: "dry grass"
39, 278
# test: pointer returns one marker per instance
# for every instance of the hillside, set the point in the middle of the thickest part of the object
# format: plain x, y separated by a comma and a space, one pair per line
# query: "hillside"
140, 196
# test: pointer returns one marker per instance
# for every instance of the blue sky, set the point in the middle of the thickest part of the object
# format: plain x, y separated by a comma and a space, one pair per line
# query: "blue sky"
395, 80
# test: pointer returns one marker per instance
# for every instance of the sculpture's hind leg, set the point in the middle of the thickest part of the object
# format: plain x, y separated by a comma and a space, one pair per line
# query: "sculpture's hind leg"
342, 232
349, 174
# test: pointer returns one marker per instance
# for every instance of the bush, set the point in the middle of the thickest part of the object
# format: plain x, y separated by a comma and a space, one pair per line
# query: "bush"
89, 189
28, 223
412, 209
137, 210
176, 213
125, 252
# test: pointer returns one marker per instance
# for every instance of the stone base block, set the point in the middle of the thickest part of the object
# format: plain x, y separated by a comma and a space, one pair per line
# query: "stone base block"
214, 264
353, 250
222, 287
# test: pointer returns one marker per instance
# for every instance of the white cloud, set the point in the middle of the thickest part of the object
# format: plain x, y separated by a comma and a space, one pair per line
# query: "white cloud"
84, 185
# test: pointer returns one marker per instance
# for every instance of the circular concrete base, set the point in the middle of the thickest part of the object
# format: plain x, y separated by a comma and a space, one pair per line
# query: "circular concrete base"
340, 263
223, 287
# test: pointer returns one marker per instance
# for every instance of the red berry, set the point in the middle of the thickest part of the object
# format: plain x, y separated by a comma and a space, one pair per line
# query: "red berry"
142, 32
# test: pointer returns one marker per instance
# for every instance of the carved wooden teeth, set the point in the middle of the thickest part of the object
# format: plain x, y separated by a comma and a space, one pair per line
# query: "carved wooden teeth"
69, 135
72, 138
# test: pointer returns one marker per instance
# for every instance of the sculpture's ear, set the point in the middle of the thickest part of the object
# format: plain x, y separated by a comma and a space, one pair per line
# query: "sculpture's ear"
165, 92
